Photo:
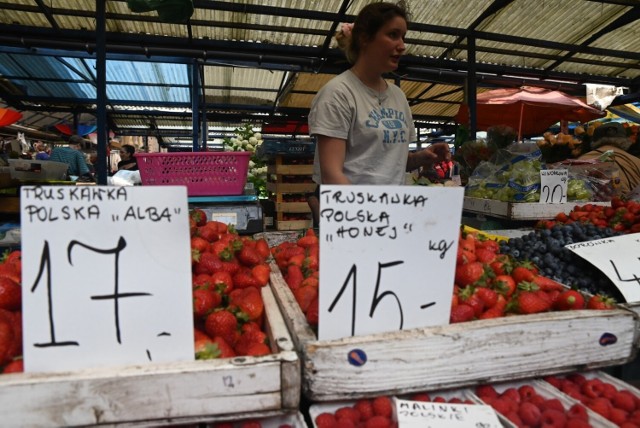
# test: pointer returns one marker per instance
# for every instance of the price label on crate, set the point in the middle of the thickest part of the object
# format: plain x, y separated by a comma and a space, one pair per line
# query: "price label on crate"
618, 258
106, 276
388, 257
553, 186
418, 414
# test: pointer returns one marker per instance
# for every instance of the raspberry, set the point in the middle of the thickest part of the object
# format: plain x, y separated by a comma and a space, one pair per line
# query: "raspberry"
325, 420
553, 418
345, 423
592, 388
577, 423
578, 411
484, 391
501, 406
529, 414
421, 396
382, 406
526, 392
511, 393
618, 416
378, 422
624, 400
553, 403
553, 380
601, 406
365, 408
348, 413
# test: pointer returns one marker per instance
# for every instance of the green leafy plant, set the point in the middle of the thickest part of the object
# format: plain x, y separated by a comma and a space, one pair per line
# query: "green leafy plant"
247, 140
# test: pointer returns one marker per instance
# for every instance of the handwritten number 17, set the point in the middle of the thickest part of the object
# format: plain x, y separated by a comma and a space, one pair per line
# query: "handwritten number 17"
377, 296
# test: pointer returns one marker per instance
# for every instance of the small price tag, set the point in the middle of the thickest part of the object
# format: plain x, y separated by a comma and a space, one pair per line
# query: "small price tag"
388, 257
227, 218
418, 414
553, 186
109, 276
617, 257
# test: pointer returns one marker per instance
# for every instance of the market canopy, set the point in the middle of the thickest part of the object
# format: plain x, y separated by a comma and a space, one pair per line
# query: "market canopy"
630, 112
9, 116
528, 109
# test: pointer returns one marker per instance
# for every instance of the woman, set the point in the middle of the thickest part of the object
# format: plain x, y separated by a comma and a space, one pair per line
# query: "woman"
363, 126
128, 161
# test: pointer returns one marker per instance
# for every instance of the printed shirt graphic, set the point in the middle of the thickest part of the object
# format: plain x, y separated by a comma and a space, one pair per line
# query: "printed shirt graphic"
378, 128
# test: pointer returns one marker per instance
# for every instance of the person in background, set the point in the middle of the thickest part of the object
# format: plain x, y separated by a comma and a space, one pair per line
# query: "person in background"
612, 137
128, 161
363, 126
42, 151
72, 156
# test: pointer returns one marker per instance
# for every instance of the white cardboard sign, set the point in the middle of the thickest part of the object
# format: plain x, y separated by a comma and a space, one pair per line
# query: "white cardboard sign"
417, 414
553, 186
618, 258
388, 257
108, 277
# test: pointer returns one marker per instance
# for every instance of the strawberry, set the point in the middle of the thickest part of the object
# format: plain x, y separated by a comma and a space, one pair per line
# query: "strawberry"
208, 233
505, 285
313, 313
530, 302
547, 284
208, 263
232, 266
501, 266
206, 349
469, 273
465, 256
601, 302
488, 296
8, 270
262, 247
226, 351
569, 300
204, 301
222, 323
222, 282
305, 296
247, 339
199, 244
469, 297
461, 313
15, 366
258, 349
382, 406
8, 340
244, 279
10, 294
485, 256
308, 241
248, 301
249, 256
294, 277
261, 273
523, 273
199, 216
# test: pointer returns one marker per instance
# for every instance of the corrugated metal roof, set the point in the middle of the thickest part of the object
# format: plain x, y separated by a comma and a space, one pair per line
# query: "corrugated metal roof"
265, 59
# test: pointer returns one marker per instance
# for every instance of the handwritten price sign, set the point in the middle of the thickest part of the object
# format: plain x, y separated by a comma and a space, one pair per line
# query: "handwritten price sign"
417, 414
108, 280
617, 257
388, 257
553, 186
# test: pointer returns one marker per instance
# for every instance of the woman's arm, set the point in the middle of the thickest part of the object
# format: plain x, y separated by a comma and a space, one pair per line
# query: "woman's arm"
332, 152
426, 157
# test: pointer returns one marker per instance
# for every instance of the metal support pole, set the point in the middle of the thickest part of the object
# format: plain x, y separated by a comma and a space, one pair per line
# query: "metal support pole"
472, 87
101, 89
195, 104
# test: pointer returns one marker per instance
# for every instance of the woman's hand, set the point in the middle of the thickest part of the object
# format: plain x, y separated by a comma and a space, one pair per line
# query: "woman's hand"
437, 152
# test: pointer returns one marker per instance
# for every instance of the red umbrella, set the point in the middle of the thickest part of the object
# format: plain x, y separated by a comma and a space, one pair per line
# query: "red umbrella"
528, 109
8, 116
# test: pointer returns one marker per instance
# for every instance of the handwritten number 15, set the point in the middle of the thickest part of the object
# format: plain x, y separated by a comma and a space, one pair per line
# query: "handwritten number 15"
376, 298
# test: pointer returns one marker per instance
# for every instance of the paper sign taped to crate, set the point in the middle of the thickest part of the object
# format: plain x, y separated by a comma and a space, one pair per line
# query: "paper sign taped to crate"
419, 414
107, 276
388, 257
553, 186
617, 257
227, 218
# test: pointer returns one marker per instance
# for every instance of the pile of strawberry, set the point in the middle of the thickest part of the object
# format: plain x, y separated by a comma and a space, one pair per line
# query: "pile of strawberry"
10, 312
298, 262
228, 272
622, 216
525, 407
620, 406
491, 285
367, 413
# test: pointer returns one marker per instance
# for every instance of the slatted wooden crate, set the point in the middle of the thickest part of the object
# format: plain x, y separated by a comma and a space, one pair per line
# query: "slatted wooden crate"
525, 211
457, 355
161, 394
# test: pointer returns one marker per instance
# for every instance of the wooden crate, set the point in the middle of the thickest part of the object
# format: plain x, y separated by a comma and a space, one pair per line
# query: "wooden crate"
520, 210
293, 224
456, 355
161, 394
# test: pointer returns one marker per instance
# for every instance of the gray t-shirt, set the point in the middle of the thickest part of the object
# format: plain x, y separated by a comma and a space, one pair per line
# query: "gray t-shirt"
378, 128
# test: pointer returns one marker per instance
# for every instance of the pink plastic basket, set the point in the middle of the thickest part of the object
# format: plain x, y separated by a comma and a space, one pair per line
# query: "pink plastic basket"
204, 173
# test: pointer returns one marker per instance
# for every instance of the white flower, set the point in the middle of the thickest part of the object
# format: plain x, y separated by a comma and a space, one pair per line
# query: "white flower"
250, 147
252, 164
234, 141
258, 136
253, 140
